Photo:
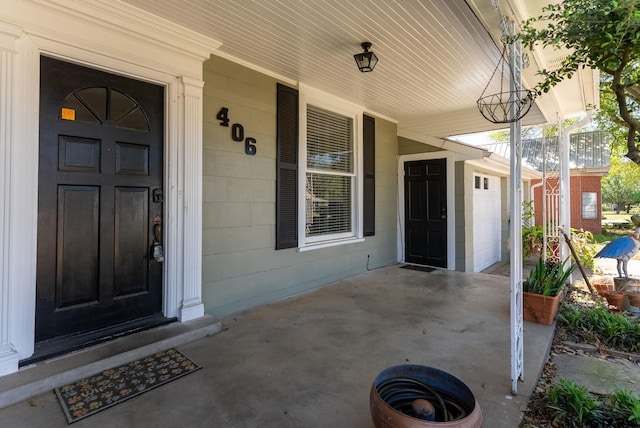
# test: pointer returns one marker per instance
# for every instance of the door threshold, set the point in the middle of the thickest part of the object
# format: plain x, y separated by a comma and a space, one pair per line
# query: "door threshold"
48, 349
421, 268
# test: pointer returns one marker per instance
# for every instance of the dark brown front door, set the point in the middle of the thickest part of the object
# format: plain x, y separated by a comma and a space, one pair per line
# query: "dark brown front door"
99, 200
425, 196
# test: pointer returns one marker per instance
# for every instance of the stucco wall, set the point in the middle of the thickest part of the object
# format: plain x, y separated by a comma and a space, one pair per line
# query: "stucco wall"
241, 267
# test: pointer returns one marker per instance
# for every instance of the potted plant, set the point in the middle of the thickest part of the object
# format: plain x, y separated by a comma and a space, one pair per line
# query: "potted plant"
542, 290
614, 298
627, 291
634, 298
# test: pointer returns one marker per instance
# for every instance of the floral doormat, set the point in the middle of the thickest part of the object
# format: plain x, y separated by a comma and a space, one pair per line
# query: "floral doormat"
110, 387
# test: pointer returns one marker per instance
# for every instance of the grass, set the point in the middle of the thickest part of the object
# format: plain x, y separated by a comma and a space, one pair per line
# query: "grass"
611, 231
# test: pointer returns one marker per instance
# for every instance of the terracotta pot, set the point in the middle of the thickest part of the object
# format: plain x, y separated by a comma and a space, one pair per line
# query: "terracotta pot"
385, 416
615, 298
634, 299
601, 283
602, 288
540, 309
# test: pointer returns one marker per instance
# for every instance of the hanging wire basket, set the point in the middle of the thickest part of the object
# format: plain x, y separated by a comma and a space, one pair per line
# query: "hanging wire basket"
505, 106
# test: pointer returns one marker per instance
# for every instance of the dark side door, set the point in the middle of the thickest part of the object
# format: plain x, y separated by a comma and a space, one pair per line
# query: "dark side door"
425, 197
99, 199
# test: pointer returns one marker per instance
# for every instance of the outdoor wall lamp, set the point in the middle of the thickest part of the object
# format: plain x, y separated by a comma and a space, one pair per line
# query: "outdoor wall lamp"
366, 60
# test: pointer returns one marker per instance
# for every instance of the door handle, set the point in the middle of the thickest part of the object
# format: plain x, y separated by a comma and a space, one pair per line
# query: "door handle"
157, 251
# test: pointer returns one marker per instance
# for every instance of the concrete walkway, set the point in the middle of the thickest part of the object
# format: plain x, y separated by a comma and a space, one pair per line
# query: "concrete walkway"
309, 361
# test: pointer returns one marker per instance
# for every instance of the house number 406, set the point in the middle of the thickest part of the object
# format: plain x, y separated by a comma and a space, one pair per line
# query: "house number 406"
237, 132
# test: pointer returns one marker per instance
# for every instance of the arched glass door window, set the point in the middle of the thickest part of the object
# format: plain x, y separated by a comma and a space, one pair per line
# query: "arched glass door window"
99, 104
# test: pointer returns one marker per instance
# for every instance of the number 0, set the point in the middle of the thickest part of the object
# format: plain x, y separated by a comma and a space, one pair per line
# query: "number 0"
237, 132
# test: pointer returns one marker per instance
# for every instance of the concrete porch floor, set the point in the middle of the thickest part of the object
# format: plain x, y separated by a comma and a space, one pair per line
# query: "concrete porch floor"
309, 361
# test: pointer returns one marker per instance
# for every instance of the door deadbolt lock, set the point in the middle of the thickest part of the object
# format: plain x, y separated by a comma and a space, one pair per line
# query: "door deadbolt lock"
157, 252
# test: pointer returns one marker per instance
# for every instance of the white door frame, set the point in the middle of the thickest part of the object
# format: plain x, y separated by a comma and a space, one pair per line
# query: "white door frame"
95, 34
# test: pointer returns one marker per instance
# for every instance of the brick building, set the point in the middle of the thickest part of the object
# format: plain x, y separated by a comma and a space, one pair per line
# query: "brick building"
586, 199
589, 157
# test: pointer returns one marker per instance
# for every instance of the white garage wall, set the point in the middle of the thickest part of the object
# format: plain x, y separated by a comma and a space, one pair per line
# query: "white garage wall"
486, 221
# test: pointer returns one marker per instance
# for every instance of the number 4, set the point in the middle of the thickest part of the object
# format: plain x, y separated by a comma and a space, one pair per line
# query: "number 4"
223, 116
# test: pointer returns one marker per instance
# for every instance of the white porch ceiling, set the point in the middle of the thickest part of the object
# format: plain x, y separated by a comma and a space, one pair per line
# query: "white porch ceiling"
435, 56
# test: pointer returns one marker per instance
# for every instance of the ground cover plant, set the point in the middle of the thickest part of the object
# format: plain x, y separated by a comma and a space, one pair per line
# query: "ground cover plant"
597, 324
563, 403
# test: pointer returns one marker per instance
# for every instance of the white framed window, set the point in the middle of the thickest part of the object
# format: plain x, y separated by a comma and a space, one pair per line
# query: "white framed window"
589, 205
330, 169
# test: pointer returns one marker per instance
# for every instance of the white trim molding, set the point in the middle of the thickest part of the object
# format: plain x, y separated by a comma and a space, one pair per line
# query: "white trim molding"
117, 38
8, 72
191, 195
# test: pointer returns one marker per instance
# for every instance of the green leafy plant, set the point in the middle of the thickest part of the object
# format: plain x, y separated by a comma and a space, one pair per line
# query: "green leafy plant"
626, 407
547, 278
571, 317
596, 323
528, 213
532, 240
583, 242
584, 245
575, 401
573, 405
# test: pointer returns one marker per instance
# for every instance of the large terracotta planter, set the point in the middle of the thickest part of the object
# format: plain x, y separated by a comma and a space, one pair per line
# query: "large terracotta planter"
386, 416
540, 309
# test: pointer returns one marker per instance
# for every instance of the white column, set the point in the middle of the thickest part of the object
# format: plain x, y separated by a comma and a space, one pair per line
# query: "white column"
191, 197
517, 336
8, 355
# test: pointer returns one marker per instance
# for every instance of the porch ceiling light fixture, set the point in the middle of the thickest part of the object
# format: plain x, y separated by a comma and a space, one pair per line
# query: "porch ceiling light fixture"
366, 60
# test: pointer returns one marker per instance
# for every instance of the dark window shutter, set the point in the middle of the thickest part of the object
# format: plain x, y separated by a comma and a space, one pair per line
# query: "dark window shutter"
369, 184
287, 168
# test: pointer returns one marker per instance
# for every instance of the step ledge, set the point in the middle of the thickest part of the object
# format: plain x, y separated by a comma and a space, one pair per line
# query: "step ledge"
195, 329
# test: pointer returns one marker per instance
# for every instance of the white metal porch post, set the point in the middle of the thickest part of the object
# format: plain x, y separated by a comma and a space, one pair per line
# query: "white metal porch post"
515, 141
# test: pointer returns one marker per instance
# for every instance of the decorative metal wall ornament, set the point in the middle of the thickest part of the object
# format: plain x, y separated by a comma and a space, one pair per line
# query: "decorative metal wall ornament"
366, 60
507, 105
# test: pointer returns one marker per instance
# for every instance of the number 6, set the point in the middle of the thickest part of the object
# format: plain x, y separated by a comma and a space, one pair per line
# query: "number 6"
250, 146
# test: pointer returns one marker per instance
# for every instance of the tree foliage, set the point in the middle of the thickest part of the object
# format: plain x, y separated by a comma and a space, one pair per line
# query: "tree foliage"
622, 186
602, 34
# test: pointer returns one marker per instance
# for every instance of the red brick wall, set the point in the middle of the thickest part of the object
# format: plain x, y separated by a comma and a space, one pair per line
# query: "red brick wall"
578, 184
